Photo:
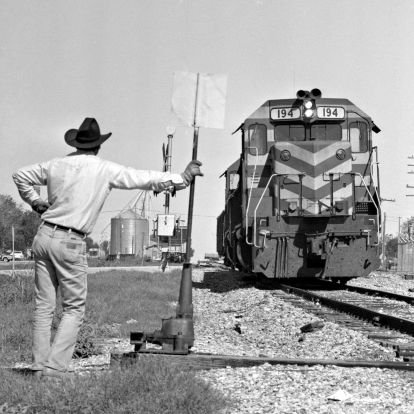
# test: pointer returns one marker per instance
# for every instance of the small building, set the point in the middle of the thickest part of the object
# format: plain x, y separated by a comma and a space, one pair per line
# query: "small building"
405, 255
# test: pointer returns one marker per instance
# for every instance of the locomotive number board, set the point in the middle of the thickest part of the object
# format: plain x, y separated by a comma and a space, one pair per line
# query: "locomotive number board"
330, 112
285, 113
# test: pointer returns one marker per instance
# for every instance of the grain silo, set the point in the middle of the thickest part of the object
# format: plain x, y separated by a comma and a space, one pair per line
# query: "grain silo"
129, 234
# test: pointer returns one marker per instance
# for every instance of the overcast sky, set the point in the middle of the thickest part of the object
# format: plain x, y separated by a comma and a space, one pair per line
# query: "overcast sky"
62, 61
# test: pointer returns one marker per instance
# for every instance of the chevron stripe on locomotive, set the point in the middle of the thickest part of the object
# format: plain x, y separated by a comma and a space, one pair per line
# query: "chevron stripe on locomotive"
303, 199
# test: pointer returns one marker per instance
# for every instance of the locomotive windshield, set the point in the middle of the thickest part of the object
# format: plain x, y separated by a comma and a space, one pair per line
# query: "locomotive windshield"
358, 132
257, 139
320, 132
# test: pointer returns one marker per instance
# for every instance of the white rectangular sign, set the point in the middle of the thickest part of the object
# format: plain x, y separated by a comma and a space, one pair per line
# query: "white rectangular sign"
285, 113
166, 223
330, 112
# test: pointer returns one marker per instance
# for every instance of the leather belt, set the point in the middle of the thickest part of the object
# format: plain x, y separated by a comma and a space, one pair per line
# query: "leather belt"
63, 228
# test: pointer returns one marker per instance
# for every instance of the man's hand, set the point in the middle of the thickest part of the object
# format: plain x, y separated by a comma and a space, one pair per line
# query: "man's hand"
191, 171
40, 206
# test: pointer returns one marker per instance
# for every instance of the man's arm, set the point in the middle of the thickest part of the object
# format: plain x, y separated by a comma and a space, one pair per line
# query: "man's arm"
26, 178
128, 178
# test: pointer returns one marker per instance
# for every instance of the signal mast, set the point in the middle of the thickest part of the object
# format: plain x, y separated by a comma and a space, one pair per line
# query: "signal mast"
410, 157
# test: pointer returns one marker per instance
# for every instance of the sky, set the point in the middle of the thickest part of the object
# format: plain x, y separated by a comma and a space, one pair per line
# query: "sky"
62, 61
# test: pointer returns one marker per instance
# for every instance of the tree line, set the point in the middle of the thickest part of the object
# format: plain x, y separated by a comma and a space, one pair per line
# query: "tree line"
25, 223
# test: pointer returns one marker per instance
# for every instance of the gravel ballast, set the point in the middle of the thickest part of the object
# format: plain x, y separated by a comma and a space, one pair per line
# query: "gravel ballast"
233, 317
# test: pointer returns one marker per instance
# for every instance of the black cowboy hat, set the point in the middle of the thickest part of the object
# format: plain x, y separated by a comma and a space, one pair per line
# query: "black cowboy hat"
87, 136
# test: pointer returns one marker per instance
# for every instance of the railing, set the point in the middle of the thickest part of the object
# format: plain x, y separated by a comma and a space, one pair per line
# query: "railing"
250, 194
300, 176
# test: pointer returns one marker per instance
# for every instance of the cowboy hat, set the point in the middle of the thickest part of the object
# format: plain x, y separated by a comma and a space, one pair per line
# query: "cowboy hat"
87, 136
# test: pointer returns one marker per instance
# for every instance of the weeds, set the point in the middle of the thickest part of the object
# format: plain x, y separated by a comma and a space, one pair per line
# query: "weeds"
17, 289
150, 387
145, 298
16, 308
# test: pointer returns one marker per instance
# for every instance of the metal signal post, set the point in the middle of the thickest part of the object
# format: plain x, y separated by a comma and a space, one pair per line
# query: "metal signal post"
167, 164
176, 335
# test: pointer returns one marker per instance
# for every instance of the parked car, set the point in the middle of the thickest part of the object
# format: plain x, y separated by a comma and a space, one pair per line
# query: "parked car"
8, 255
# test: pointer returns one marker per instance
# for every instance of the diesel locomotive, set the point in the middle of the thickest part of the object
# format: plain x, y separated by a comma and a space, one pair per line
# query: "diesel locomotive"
303, 199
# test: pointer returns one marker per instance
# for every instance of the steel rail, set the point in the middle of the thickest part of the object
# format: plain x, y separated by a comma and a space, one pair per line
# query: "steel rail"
399, 324
381, 293
199, 361
369, 291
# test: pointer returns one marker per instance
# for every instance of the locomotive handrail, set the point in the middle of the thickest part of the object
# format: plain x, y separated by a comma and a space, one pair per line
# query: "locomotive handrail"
372, 199
250, 195
377, 188
257, 206
301, 175
376, 177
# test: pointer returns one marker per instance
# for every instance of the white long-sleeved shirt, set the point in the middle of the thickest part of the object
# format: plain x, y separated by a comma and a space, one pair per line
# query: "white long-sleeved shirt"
78, 185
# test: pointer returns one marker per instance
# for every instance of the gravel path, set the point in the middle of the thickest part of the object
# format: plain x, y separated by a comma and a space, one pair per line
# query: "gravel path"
235, 318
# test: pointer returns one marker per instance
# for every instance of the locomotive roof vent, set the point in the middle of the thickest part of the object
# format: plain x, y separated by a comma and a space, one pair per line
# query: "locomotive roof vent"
313, 94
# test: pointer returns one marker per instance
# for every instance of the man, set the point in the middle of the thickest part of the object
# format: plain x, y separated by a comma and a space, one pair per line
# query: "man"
77, 187
164, 258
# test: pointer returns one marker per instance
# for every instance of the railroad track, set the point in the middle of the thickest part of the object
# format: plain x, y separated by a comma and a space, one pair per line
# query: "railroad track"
380, 293
401, 342
384, 317
199, 361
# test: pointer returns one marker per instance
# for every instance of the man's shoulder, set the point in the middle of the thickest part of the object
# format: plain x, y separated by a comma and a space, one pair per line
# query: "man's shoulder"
77, 158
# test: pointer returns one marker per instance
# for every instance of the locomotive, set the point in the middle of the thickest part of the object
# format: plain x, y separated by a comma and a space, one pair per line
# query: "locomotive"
303, 199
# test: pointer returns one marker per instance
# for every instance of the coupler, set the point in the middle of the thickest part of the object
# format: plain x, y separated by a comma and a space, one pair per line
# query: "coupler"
176, 335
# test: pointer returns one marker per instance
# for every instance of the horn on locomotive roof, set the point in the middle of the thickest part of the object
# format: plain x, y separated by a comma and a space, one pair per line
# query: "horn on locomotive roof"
302, 94
315, 93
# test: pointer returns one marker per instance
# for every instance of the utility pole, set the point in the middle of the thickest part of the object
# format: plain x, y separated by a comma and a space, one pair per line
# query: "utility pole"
399, 226
383, 239
13, 251
410, 157
167, 165
170, 135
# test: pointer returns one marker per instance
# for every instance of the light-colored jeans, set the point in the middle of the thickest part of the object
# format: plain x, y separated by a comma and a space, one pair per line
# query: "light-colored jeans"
60, 261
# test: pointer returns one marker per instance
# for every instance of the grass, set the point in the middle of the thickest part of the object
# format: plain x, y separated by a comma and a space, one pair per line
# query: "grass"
16, 309
114, 298
151, 387
118, 297
92, 262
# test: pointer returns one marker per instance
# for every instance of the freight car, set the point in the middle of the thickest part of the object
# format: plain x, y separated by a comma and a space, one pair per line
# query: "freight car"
302, 200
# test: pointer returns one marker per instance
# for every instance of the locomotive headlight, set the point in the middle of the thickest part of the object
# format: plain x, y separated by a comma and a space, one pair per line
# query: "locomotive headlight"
340, 154
308, 113
309, 107
285, 155
339, 206
292, 206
